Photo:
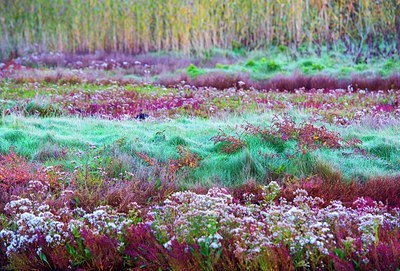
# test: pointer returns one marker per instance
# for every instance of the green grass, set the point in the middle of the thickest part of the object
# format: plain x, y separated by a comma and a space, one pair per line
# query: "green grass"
193, 71
264, 65
43, 139
259, 65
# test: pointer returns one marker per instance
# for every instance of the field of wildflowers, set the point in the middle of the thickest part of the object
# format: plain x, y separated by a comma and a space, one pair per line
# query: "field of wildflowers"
204, 171
45, 225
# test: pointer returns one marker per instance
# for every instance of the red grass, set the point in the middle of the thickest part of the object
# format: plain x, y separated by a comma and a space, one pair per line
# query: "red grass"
298, 80
386, 190
104, 254
144, 250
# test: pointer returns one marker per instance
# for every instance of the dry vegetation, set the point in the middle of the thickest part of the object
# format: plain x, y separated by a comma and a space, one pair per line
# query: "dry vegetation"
142, 26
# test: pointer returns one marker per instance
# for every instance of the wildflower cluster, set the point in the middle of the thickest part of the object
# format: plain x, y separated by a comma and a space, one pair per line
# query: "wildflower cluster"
66, 233
192, 228
121, 101
309, 231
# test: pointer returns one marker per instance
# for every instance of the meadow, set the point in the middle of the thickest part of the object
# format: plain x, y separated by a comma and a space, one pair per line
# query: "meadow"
171, 135
218, 177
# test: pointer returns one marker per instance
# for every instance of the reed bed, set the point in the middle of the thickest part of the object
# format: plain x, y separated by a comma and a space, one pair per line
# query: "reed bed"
138, 26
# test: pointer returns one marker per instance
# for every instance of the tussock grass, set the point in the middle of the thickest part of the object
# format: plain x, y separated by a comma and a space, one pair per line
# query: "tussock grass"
56, 140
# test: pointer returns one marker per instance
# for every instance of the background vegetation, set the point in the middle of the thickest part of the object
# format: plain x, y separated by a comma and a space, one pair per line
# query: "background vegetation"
361, 27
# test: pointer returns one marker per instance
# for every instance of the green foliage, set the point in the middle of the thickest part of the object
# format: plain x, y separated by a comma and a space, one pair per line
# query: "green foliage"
345, 71
389, 64
308, 66
221, 66
238, 48
193, 71
307, 63
42, 109
361, 67
283, 49
159, 137
268, 66
276, 143
250, 63
80, 254
177, 141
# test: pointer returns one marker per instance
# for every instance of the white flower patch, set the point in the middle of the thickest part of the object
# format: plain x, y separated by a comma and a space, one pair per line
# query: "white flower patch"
35, 221
301, 225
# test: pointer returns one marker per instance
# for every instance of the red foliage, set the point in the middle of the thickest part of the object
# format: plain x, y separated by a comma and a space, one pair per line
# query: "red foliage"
230, 144
386, 254
14, 171
386, 190
250, 188
186, 159
143, 249
147, 159
308, 136
103, 250
382, 255
219, 80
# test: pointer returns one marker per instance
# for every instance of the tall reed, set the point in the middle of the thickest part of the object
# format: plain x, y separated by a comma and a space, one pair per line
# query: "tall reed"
137, 26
